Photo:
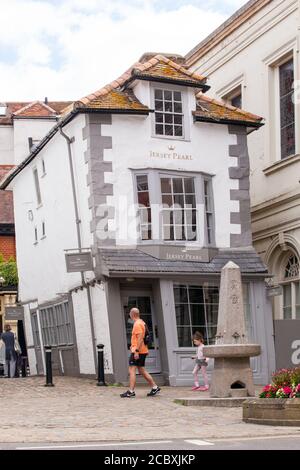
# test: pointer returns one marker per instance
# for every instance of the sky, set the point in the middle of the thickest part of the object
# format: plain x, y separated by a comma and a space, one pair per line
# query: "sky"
66, 49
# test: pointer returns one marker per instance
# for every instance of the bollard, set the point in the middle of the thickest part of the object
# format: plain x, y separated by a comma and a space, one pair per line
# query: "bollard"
101, 380
49, 382
24, 366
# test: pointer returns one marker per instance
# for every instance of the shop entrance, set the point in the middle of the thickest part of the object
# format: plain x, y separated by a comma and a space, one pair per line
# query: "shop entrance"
143, 301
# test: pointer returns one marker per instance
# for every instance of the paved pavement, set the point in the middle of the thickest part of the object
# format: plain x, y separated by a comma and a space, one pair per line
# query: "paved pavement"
76, 410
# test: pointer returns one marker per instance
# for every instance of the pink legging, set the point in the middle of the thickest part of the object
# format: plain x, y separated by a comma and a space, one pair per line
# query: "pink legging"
203, 371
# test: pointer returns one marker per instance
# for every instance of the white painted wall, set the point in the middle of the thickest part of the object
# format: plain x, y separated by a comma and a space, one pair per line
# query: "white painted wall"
246, 57
6, 145
83, 332
100, 312
24, 128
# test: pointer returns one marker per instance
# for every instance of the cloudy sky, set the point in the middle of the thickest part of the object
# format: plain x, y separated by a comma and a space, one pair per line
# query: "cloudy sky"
65, 49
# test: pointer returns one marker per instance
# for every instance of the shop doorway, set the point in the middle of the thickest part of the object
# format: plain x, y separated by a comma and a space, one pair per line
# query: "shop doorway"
143, 301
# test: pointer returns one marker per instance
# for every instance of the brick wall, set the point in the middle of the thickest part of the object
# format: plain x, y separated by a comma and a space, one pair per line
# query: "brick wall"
7, 246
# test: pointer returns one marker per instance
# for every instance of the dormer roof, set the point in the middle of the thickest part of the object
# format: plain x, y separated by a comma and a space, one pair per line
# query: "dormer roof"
211, 110
118, 95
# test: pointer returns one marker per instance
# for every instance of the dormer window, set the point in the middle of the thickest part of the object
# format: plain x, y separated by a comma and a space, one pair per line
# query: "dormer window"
168, 107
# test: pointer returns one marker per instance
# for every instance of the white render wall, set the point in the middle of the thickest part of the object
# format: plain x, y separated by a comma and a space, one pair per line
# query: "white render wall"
208, 145
6, 145
24, 128
245, 57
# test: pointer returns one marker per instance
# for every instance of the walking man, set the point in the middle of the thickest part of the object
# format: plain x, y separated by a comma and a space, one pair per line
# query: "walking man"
138, 356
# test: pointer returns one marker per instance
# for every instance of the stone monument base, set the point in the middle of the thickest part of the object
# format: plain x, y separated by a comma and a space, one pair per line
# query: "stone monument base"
232, 377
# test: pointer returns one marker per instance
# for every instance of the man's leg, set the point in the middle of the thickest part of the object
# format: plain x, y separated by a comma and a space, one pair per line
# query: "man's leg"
147, 376
6, 367
132, 378
12, 368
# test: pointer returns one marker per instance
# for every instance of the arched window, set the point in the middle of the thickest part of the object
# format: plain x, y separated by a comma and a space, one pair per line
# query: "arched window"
291, 288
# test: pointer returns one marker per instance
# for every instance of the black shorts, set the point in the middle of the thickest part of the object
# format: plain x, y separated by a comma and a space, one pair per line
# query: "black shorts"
140, 362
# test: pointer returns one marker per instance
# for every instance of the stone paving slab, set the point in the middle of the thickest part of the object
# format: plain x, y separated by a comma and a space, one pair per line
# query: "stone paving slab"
77, 410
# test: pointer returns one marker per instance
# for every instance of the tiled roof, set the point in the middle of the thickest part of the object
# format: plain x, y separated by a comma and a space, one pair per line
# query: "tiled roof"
32, 109
209, 109
122, 261
117, 95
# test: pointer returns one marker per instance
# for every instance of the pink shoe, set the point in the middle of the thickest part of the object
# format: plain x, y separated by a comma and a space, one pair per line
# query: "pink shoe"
203, 389
195, 388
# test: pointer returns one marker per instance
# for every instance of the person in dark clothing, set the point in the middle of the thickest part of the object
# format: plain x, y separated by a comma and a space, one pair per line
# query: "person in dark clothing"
10, 354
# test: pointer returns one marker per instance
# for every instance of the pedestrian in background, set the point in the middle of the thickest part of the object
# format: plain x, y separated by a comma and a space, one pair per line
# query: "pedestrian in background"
9, 340
200, 363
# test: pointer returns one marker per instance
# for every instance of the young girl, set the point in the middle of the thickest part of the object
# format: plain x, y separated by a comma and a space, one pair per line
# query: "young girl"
200, 362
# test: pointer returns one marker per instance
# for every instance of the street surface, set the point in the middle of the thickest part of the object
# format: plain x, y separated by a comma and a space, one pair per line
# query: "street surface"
77, 411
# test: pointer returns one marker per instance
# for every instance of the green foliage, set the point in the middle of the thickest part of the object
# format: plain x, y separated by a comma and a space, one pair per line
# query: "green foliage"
287, 377
8, 270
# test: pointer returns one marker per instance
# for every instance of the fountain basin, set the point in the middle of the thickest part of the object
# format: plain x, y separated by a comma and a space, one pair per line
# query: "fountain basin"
232, 350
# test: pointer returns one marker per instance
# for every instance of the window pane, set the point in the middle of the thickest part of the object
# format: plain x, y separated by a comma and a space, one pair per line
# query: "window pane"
169, 118
182, 315
159, 105
189, 185
159, 117
197, 315
179, 200
177, 185
178, 119
286, 77
159, 129
288, 141
180, 294
167, 199
158, 94
237, 101
184, 337
177, 96
142, 182
168, 130
178, 130
177, 107
166, 185
167, 95
287, 295
143, 198
196, 295
169, 106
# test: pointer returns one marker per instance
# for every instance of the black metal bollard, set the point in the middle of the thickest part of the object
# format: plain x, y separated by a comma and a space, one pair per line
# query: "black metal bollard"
101, 379
24, 366
49, 380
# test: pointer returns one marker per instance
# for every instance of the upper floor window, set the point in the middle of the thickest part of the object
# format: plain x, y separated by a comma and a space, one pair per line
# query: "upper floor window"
168, 113
169, 207
37, 186
291, 288
234, 98
287, 109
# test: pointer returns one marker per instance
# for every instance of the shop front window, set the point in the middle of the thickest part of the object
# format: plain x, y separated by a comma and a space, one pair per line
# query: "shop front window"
196, 309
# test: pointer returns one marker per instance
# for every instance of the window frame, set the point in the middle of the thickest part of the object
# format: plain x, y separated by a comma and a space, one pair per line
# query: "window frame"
280, 63
56, 325
155, 197
185, 113
294, 284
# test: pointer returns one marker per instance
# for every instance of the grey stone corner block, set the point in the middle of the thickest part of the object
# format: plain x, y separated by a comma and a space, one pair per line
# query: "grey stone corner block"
235, 129
94, 118
239, 195
238, 173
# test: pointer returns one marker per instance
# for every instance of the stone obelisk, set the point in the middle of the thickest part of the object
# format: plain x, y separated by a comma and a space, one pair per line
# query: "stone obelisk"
232, 374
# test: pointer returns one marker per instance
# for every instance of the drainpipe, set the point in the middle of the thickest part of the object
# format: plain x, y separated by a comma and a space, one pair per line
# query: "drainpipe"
69, 141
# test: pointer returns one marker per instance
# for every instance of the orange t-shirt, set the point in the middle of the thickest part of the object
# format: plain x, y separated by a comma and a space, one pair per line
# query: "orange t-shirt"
138, 329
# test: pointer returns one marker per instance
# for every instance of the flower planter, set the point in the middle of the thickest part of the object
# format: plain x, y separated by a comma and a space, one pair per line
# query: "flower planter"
272, 411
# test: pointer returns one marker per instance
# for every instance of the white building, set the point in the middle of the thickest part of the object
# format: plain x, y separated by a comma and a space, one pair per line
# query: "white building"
155, 182
252, 61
